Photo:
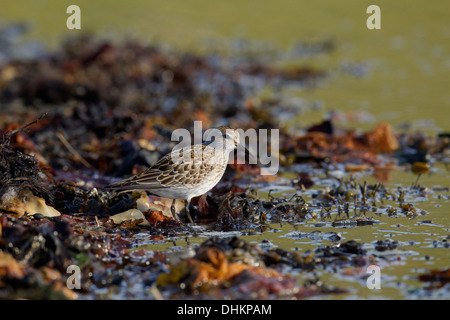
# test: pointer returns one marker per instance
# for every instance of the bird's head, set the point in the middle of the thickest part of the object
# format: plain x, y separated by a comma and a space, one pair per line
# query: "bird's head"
230, 135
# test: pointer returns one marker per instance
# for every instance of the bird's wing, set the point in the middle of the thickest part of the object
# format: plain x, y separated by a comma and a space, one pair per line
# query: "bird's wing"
171, 170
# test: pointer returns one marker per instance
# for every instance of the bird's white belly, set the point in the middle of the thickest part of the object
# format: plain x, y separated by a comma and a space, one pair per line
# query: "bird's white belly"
187, 192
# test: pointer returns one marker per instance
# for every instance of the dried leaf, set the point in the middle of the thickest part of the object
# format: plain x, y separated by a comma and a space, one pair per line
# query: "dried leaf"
210, 267
24, 202
382, 139
129, 215
10, 267
420, 167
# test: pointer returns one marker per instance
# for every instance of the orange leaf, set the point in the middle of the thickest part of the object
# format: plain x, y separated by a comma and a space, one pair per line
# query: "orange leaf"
382, 139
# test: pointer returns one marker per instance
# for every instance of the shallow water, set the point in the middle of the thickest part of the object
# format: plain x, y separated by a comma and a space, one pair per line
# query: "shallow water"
421, 242
398, 74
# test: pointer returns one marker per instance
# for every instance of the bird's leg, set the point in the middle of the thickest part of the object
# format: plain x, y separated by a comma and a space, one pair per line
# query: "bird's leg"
187, 211
172, 209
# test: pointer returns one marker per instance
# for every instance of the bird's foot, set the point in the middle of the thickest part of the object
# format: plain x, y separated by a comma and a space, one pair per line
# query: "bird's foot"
172, 210
188, 213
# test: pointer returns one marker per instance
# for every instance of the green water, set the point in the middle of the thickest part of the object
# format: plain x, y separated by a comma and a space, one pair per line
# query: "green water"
406, 67
400, 268
408, 59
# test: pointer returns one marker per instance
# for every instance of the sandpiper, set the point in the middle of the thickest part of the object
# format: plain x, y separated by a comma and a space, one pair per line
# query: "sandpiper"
186, 173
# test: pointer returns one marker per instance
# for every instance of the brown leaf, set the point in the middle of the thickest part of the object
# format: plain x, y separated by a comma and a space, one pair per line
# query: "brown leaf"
420, 167
10, 267
382, 139
155, 217
437, 278
210, 267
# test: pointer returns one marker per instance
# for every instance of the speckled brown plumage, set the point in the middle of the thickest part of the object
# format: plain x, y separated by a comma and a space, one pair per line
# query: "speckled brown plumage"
185, 173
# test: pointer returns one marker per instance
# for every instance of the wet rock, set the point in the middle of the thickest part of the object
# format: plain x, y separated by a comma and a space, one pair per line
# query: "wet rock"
345, 249
129, 215
383, 245
23, 202
303, 181
314, 235
121, 206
